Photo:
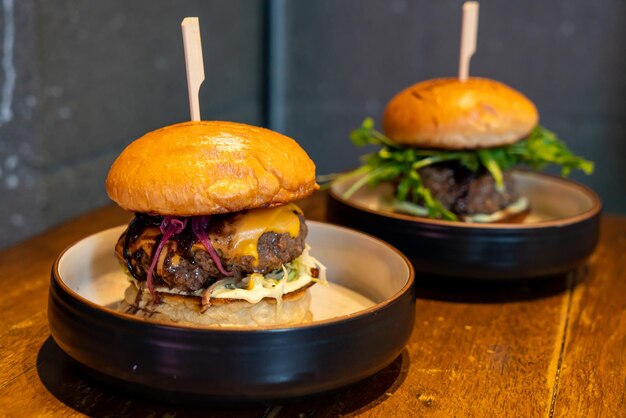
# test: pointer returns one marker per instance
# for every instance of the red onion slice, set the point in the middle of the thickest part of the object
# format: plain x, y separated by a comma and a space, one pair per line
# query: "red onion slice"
170, 226
199, 226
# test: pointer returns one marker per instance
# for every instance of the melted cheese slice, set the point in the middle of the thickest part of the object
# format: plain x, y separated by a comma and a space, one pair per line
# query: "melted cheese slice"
250, 227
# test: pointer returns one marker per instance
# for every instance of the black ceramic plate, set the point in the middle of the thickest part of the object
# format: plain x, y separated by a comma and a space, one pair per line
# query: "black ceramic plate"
560, 232
362, 322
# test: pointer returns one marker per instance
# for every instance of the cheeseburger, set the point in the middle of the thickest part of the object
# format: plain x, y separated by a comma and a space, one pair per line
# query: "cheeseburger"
216, 238
448, 147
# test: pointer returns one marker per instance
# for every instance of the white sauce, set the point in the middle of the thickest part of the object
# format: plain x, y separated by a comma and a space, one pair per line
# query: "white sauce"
259, 287
263, 288
519, 206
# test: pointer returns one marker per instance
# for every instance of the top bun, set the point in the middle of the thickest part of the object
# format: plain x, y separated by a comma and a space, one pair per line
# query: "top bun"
205, 168
449, 114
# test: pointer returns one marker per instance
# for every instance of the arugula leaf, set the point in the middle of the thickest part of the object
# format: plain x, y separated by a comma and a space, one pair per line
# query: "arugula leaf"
399, 164
542, 147
488, 159
366, 134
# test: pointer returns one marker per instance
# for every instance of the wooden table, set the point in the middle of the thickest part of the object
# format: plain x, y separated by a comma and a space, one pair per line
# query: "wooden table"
554, 347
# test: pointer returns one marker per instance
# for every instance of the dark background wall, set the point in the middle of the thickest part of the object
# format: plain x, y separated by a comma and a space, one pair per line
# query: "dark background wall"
80, 79
343, 60
92, 76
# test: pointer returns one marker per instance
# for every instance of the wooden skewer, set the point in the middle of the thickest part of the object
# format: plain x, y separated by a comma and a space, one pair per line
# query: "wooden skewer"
194, 63
469, 29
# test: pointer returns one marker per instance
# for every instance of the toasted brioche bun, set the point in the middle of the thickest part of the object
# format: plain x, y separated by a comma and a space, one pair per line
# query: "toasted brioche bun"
294, 308
446, 113
204, 168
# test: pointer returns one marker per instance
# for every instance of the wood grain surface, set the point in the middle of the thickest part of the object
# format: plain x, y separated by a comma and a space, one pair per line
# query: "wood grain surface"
550, 347
592, 373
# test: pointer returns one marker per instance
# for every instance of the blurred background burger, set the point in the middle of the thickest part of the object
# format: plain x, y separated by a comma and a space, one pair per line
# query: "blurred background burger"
448, 147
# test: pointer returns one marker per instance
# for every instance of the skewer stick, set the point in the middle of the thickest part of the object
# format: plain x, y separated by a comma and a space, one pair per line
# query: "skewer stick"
194, 63
469, 28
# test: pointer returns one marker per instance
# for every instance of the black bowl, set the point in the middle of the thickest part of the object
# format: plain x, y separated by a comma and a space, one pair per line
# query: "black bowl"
559, 234
361, 332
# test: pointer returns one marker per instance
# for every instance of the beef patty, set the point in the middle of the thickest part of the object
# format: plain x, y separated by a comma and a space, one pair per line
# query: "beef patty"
465, 192
185, 265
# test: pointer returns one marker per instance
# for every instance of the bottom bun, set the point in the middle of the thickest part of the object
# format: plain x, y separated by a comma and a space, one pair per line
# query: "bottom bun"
186, 309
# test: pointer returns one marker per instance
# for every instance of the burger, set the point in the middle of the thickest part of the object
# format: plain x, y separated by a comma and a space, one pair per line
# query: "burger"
216, 238
448, 147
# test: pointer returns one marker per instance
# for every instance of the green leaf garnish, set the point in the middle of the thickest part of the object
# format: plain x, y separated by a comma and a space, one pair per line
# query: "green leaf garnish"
489, 162
401, 165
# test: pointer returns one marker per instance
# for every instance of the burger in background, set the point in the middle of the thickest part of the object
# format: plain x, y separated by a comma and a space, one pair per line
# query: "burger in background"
448, 148
215, 239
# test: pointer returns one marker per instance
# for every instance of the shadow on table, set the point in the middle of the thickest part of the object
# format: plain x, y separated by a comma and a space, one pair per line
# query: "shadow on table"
465, 290
71, 384
356, 398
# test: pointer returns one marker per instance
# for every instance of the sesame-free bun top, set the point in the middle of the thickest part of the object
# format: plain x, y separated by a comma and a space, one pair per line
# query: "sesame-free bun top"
449, 114
205, 168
